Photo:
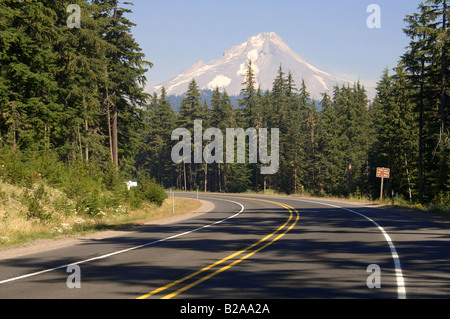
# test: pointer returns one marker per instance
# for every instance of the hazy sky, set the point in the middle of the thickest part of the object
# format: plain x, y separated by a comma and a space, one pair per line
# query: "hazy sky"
332, 35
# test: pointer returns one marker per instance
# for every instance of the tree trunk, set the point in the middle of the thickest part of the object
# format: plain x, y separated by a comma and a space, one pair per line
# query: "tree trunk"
108, 114
408, 178
115, 115
80, 147
115, 137
443, 72
206, 177
349, 179
421, 189
86, 126
442, 163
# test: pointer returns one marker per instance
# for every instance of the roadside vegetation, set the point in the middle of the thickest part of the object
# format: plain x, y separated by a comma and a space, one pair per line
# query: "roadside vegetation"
440, 205
43, 198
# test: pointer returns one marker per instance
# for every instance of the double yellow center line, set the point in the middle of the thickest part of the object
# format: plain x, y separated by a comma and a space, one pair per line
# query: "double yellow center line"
248, 251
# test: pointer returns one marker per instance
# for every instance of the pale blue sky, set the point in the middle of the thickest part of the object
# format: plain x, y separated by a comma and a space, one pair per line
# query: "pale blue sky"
332, 35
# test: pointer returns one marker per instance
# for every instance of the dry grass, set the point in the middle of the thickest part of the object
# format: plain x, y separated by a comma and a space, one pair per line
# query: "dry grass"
16, 226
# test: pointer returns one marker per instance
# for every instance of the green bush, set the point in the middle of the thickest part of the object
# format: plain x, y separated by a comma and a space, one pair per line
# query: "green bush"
14, 169
35, 204
135, 198
62, 204
147, 191
443, 199
153, 192
89, 203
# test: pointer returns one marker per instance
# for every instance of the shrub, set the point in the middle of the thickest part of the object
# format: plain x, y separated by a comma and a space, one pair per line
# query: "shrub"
13, 168
35, 204
135, 198
89, 203
442, 199
153, 192
62, 204
149, 191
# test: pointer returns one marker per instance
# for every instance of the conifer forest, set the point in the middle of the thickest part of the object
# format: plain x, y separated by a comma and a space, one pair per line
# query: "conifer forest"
73, 112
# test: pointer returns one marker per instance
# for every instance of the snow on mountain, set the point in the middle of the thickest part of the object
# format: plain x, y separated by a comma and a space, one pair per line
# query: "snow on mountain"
267, 51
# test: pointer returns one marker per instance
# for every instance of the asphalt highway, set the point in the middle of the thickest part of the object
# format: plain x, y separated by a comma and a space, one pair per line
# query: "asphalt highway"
250, 247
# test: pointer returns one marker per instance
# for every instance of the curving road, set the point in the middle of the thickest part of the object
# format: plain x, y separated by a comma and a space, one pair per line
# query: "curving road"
251, 247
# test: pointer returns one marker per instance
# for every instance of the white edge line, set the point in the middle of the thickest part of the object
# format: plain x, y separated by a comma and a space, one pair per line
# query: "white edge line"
401, 290
129, 249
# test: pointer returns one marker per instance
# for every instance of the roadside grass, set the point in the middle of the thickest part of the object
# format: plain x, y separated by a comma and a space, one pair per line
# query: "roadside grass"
440, 206
44, 212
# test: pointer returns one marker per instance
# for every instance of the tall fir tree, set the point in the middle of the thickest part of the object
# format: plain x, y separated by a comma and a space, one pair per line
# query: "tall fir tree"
425, 62
125, 77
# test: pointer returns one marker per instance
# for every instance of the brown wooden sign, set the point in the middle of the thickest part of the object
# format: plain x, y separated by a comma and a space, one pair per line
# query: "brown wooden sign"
383, 172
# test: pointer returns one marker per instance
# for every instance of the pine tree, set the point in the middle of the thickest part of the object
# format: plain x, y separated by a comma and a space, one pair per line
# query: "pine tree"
327, 148
237, 176
293, 144
396, 132
425, 61
125, 69
30, 110
80, 59
191, 110
280, 101
154, 155
222, 117
351, 107
248, 100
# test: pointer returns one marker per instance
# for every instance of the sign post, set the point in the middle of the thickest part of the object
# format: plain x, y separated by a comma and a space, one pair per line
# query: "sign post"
383, 173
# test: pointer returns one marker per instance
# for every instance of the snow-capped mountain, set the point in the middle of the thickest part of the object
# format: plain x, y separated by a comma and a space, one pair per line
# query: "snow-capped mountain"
267, 51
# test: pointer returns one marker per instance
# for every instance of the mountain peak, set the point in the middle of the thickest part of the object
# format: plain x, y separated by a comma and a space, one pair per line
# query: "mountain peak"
264, 36
267, 51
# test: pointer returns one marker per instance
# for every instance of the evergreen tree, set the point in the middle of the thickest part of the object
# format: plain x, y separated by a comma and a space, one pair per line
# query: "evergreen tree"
351, 107
425, 61
396, 132
190, 111
222, 117
293, 144
154, 157
248, 100
124, 73
327, 148
251, 109
29, 89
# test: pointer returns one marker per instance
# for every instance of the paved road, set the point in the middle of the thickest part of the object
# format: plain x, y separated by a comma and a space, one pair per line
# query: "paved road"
254, 247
